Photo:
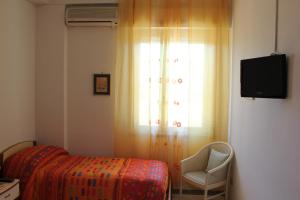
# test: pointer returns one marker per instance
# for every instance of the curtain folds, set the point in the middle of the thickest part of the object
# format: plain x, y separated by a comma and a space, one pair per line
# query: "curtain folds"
172, 69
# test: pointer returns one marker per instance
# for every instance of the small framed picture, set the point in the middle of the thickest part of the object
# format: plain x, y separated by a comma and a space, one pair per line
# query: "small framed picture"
101, 84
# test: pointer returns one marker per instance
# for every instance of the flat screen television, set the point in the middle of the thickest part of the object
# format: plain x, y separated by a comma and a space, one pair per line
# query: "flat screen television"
264, 77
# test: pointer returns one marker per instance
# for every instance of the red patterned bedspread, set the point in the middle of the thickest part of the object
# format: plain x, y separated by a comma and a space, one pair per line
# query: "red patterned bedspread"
50, 173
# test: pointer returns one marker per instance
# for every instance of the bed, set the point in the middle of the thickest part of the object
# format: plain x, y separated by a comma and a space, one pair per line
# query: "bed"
51, 173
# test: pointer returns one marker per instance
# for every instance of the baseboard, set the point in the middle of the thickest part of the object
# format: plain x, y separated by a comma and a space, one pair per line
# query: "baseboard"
194, 192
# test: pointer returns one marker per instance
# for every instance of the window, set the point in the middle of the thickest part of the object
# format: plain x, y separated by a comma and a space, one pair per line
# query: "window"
170, 84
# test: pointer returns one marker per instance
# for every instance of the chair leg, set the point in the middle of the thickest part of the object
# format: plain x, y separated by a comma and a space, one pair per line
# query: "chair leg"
180, 189
226, 191
205, 194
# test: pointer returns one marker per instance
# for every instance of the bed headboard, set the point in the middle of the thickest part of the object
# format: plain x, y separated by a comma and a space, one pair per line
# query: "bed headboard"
12, 150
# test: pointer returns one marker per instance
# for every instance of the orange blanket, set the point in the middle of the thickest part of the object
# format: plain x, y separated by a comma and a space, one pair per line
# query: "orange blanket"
50, 173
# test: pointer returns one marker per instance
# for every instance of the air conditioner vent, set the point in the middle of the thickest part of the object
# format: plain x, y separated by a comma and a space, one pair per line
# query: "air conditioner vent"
91, 15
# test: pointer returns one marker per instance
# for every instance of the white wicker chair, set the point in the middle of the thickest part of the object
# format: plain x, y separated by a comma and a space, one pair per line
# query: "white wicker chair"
193, 170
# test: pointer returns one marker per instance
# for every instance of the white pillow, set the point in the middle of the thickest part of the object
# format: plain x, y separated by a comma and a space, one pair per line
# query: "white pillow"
216, 158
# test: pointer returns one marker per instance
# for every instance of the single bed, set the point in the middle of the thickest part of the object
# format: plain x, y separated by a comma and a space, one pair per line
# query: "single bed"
51, 173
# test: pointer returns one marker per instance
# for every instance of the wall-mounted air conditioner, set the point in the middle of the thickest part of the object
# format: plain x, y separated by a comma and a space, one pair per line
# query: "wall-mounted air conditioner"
91, 14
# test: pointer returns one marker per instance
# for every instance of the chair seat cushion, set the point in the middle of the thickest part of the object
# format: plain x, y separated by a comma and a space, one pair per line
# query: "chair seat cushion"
199, 177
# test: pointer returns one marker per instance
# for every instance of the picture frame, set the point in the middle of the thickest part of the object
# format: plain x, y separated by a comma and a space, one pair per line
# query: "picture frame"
101, 84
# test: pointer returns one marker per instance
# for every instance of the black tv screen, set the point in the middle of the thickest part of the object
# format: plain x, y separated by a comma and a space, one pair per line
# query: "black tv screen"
264, 77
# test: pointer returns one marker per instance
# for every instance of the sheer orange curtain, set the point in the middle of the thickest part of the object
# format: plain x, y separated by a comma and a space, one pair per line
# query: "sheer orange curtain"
171, 92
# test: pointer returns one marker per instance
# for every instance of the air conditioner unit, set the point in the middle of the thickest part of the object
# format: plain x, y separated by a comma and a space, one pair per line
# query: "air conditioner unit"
91, 14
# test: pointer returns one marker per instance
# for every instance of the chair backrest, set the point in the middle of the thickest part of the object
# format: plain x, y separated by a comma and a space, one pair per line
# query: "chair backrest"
199, 160
221, 147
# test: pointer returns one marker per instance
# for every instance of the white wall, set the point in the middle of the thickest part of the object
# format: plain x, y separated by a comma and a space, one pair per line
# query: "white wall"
68, 114
90, 118
17, 71
50, 76
265, 132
